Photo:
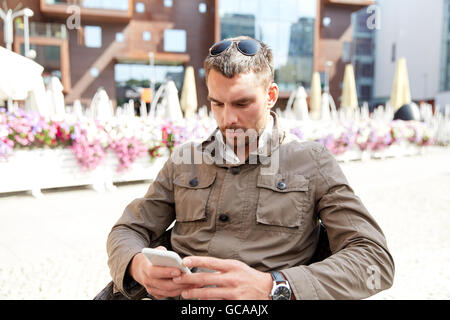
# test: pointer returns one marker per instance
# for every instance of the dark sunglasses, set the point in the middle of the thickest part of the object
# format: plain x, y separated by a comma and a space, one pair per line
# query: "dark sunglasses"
248, 47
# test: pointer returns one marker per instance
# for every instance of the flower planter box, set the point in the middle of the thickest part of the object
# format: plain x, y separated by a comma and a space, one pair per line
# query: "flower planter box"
36, 169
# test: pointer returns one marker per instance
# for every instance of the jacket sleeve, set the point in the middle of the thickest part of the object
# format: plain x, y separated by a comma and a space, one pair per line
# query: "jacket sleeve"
360, 264
143, 221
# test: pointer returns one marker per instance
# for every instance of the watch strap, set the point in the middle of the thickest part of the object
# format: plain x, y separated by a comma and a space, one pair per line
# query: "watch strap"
277, 276
279, 281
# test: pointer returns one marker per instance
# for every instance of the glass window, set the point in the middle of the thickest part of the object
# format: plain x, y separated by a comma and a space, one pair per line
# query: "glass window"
364, 70
447, 67
52, 53
93, 36
269, 33
168, 3
367, 70
287, 26
140, 7
363, 46
393, 52
175, 40
269, 10
48, 56
445, 58
131, 78
326, 21
234, 24
101, 4
201, 72
448, 14
146, 36
233, 6
94, 72
360, 21
365, 92
290, 11
120, 37
346, 52
202, 7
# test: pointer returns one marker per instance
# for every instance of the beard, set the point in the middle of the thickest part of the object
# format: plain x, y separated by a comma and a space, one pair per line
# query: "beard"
239, 138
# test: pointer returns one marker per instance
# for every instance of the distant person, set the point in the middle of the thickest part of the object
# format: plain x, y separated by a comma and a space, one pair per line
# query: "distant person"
251, 209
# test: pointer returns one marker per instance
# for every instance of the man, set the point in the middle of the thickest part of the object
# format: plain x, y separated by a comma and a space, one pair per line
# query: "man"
250, 210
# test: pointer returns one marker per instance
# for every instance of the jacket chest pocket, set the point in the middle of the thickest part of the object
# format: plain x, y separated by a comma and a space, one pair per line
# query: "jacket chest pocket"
191, 196
282, 201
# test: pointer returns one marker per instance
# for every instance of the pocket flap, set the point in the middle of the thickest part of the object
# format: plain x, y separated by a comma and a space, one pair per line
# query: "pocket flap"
283, 183
191, 181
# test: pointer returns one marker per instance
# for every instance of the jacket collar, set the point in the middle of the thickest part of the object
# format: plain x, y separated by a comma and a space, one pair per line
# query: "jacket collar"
210, 147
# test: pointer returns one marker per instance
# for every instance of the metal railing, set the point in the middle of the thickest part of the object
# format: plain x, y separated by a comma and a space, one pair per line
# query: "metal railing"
120, 5
47, 30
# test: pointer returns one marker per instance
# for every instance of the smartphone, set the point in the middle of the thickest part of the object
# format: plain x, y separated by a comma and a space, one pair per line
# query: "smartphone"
165, 258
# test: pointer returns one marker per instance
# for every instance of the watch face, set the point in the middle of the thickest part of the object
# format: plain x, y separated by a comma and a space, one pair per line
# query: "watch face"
282, 293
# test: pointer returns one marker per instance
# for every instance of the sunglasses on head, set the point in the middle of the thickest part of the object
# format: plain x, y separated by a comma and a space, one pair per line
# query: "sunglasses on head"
247, 47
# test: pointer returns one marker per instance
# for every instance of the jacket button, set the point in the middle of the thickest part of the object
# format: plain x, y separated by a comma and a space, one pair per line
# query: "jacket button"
281, 185
235, 170
193, 182
223, 217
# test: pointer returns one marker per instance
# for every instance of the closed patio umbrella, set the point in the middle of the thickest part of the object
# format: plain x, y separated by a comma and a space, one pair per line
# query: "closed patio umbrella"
172, 108
56, 97
401, 93
300, 108
349, 96
316, 96
100, 105
188, 101
401, 102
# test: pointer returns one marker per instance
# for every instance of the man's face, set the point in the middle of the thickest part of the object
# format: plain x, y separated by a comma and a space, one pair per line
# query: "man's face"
242, 102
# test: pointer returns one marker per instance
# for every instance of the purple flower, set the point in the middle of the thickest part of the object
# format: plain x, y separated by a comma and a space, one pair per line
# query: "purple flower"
298, 132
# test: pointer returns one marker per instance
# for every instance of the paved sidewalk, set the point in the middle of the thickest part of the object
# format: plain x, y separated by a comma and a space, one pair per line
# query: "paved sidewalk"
54, 248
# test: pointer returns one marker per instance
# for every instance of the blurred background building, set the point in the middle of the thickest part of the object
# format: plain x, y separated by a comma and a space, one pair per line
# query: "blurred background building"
97, 43
125, 46
361, 53
419, 31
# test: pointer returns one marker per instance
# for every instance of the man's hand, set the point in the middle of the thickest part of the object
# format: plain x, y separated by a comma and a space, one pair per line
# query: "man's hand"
156, 280
234, 280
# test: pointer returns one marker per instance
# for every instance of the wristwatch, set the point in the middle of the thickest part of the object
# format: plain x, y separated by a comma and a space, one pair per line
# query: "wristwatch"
281, 289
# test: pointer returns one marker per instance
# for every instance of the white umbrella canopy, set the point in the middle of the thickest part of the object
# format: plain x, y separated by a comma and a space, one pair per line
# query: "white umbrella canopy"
77, 109
101, 106
188, 101
20, 77
316, 96
172, 108
56, 97
325, 113
143, 109
349, 95
401, 93
20, 74
300, 108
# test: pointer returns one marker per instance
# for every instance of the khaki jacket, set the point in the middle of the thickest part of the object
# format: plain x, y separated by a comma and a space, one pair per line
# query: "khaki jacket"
268, 221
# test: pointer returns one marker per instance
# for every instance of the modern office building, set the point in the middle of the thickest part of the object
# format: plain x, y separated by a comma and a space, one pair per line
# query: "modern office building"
417, 30
361, 53
443, 96
95, 43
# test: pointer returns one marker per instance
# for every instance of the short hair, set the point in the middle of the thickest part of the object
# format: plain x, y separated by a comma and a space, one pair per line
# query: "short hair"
231, 62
